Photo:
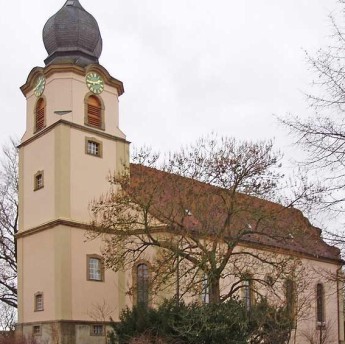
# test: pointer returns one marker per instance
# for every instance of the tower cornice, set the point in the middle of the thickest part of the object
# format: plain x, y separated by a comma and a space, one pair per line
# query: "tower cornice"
63, 68
75, 126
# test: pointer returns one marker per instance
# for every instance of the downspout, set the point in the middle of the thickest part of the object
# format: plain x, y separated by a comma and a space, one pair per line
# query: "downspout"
340, 312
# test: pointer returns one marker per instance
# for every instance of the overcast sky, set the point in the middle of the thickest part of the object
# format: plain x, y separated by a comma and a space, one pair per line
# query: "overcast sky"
189, 67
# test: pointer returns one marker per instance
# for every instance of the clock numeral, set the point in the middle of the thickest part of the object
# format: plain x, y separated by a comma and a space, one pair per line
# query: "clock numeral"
94, 82
39, 85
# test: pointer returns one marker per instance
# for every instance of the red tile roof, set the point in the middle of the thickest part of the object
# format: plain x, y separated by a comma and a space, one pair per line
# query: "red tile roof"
185, 204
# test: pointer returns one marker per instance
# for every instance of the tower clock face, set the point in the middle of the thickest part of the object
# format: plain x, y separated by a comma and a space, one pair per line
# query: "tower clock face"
40, 83
94, 82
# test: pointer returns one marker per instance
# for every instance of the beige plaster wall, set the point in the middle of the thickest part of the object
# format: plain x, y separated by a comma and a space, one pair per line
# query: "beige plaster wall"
53, 261
93, 300
38, 275
71, 90
38, 206
72, 178
56, 264
88, 173
324, 273
61, 254
306, 273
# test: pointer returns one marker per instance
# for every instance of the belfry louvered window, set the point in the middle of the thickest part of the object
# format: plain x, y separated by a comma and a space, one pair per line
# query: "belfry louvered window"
40, 111
94, 112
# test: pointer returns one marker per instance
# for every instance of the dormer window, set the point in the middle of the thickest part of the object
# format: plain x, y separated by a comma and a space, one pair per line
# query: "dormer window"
40, 118
94, 112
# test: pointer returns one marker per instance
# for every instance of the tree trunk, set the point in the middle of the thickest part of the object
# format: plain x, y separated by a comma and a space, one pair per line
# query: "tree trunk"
214, 292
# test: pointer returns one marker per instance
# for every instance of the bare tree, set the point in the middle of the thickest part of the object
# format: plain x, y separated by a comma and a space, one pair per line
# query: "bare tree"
321, 335
322, 135
8, 318
199, 219
8, 224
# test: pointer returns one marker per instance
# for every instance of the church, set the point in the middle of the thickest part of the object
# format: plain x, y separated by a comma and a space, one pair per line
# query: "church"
72, 141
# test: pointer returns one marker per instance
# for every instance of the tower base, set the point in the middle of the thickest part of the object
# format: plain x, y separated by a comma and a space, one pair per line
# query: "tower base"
64, 332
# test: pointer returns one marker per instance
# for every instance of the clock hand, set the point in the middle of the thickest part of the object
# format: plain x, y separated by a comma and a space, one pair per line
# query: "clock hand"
95, 82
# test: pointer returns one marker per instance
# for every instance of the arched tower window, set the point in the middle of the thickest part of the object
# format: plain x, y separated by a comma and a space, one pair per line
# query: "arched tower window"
94, 112
40, 118
142, 276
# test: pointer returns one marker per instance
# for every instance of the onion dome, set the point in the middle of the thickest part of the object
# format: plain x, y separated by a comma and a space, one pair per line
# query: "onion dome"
72, 36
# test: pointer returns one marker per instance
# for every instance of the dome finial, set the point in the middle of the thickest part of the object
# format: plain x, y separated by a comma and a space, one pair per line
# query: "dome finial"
72, 36
74, 3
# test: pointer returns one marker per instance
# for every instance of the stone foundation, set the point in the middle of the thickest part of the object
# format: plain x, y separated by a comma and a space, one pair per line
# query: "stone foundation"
64, 332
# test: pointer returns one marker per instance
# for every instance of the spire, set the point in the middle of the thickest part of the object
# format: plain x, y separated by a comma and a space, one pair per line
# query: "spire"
72, 35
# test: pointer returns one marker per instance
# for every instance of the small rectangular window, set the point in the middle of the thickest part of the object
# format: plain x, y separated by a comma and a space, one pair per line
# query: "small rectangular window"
39, 306
97, 330
38, 180
36, 330
93, 147
95, 269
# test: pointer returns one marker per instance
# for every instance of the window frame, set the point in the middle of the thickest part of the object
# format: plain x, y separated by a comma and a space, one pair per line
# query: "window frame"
248, 292
90, 140
135, 275
291, 300
205, 290
39, 306
86, 111
36, 333
92, 330
101, 268
39, 175
320, 301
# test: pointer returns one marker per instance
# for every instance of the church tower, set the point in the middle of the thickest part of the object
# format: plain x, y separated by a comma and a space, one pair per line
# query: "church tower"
71, 144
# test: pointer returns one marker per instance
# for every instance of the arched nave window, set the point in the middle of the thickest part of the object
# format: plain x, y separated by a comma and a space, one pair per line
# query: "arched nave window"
142, 284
